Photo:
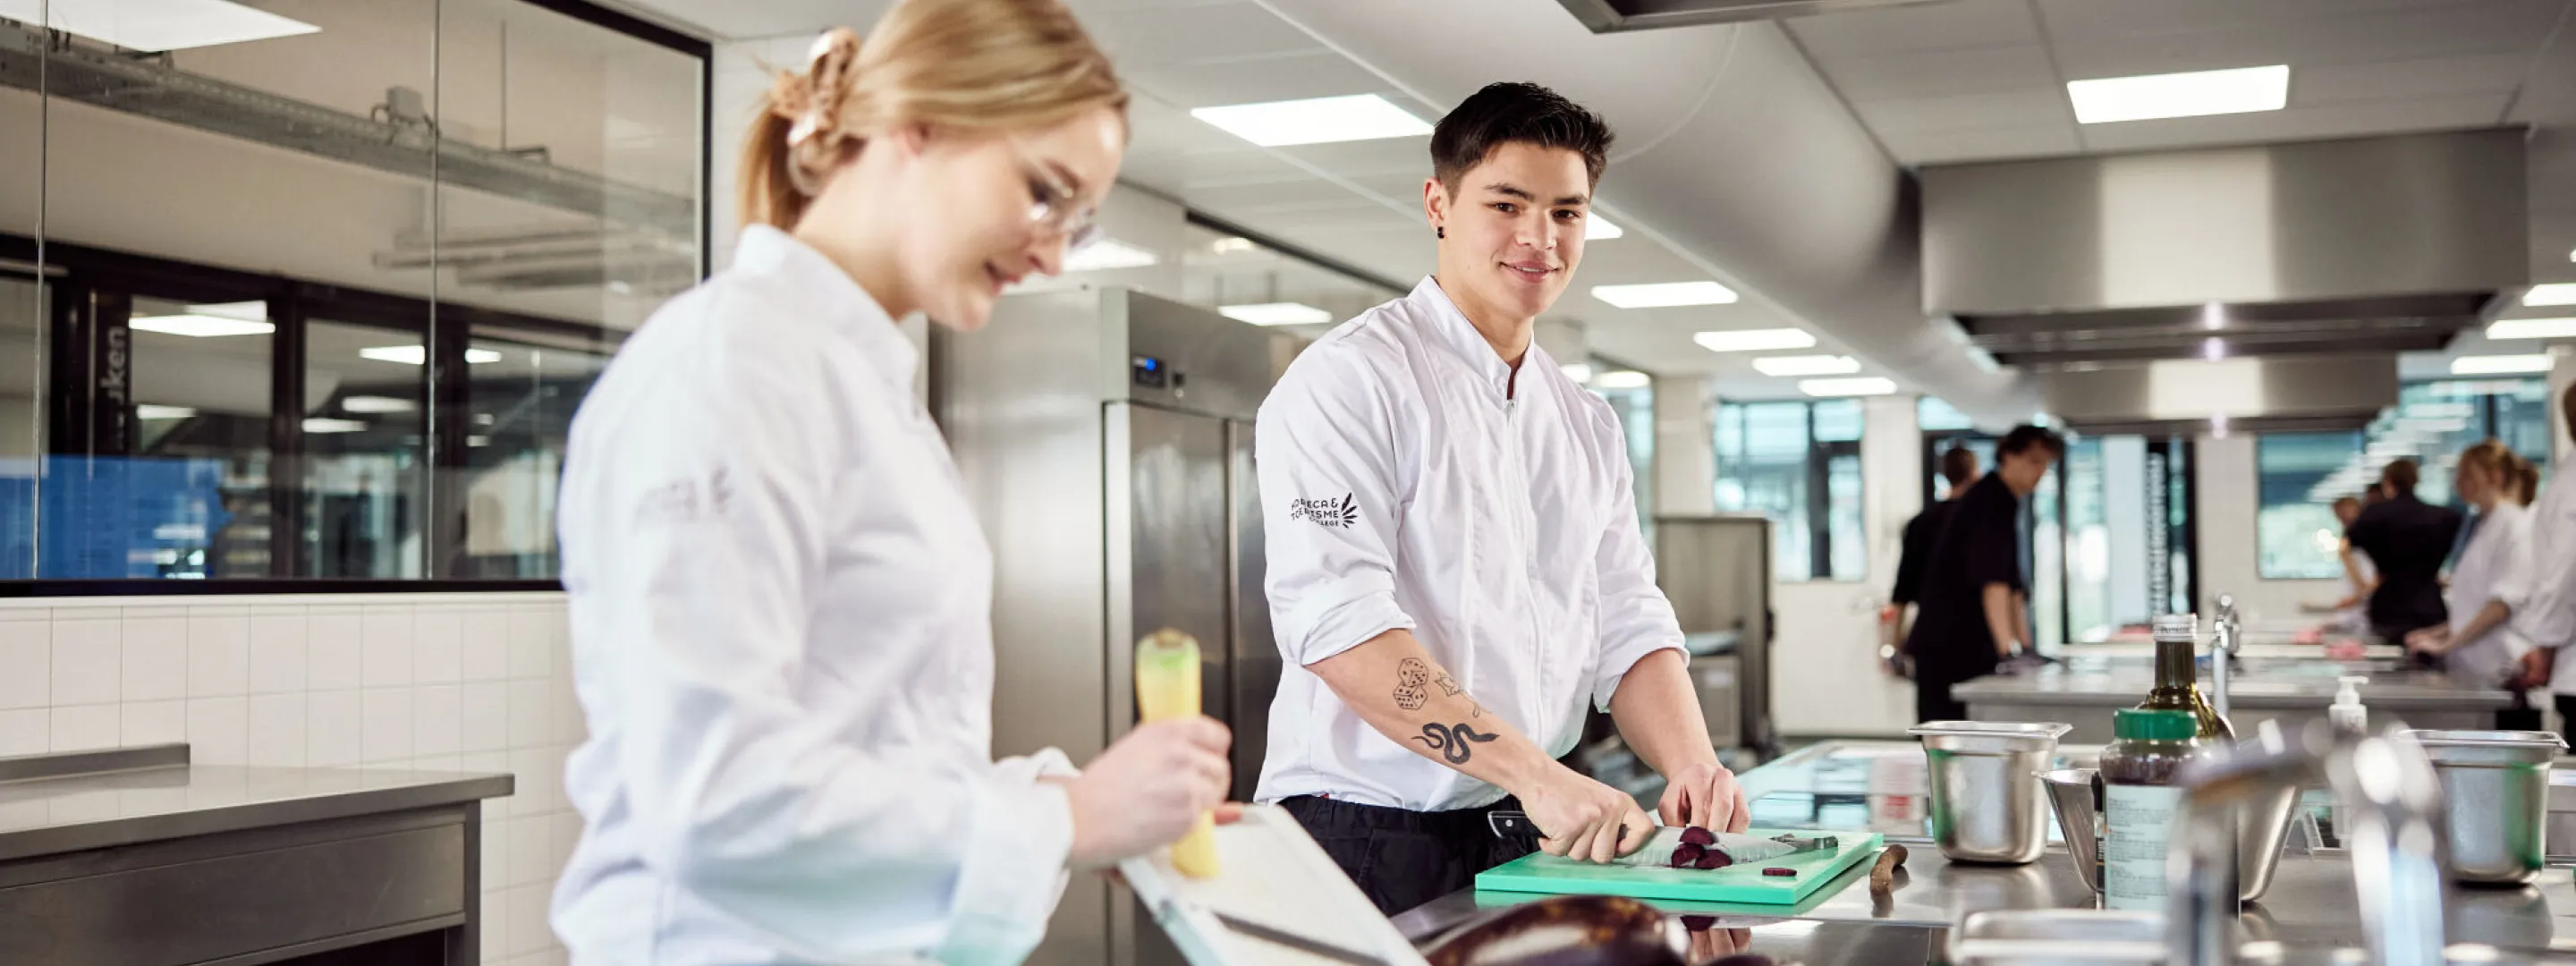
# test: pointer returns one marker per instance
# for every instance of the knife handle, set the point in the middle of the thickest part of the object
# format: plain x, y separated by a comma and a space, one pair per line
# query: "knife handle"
1514, 826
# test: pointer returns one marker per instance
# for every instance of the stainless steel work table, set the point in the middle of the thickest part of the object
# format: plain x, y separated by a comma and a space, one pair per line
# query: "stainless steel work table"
2084, 692
2311, 903
135, 856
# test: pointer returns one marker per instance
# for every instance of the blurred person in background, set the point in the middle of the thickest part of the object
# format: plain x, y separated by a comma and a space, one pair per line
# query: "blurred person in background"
1975, 612
1959, 468
2548, 620
2406, 540
2478, 645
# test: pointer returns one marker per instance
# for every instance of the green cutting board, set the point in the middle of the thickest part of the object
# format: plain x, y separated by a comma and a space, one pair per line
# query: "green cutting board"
1540, 872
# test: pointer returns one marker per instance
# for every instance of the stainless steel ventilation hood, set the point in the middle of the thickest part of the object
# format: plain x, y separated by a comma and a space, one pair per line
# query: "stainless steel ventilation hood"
2315, 392
1613, 16
2374, 245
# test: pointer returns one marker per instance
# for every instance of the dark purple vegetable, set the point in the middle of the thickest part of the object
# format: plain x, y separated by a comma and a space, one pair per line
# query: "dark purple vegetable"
1698, 836
1563, 931
1742, 959
1714, 859
1687, 855
1777, 871
1699, 923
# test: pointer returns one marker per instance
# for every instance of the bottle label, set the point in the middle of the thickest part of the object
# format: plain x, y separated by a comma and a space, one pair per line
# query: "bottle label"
2140, 821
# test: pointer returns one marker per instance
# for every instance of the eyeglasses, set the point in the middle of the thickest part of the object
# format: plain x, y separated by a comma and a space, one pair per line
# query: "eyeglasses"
1053, 205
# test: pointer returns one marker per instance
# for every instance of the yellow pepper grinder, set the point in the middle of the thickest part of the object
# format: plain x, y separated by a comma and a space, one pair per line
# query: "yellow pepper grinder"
1167, 687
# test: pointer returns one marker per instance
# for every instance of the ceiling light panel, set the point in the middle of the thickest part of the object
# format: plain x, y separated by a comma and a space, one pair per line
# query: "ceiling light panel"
1861, 386
1108, 254
1320, 120
1597, 228
1622, 379
412, 355
1806, 365
2242, 90
1276, 313
2559, 328
2500, 365
1660, 295
1755, 340
197, 326
157, 25
2554, 293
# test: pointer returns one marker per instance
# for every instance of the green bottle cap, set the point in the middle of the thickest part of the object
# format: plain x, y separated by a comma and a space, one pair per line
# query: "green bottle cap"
2144, 724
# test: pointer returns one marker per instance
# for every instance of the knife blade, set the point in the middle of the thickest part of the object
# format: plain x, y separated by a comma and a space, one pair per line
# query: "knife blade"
1304, 944
1658, 850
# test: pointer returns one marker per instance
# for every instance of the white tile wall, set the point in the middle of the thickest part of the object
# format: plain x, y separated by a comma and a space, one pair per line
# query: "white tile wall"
441, 682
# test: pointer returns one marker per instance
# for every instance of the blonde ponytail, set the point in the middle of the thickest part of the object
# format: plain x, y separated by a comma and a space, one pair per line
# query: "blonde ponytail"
976, 64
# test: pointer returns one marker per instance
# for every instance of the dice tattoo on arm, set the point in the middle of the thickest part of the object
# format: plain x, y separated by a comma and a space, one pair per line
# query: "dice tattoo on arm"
1412, 684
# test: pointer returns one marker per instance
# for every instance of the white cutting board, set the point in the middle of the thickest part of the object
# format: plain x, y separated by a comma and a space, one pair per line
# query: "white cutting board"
1271, 872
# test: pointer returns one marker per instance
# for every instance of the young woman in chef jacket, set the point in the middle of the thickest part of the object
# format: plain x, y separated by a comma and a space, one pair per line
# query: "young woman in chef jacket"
2480, 646
779, 592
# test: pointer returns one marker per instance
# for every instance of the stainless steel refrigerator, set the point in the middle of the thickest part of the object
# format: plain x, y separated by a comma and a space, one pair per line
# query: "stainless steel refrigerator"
1105, 436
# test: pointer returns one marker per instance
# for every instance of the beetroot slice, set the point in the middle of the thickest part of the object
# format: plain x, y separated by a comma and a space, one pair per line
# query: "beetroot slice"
1698, 836
1714, 859
1686, 855
1699, 923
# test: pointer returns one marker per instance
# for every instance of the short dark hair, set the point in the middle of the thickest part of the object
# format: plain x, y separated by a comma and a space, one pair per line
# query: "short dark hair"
1512, 111
2399, 476
2025, 436
2567, 408
1959, 465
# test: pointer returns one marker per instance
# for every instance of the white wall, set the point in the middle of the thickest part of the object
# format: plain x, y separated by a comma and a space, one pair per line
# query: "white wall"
435, 682
2224, 527
1825, 678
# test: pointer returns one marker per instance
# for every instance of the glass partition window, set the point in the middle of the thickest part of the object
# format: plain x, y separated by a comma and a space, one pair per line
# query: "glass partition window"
1631, 395
2300, 475
318, 291
1797, 463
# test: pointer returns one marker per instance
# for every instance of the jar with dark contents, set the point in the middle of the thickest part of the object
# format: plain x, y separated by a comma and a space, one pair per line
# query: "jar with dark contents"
2140, 801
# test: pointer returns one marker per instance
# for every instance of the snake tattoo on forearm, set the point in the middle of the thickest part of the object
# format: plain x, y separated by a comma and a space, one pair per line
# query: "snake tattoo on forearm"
1451, 741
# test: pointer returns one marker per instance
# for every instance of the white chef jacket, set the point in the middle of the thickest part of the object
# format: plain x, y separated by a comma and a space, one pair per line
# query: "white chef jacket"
2496, 565
2548, 619
1400, 488
780, 610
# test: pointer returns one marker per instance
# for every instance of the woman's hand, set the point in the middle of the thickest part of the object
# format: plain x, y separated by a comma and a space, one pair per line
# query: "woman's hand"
1705, 795
1148, 789
2430, 640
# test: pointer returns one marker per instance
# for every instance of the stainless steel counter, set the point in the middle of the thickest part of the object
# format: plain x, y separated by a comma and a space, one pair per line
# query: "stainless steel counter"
2084, 693
2309, 908
137, 856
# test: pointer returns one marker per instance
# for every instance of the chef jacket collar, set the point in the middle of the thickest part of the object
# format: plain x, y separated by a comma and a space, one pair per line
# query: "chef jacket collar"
1460, 336
842, 303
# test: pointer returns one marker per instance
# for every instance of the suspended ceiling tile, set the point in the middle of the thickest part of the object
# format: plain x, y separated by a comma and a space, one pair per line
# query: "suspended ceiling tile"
1291, 76
2010, 109
1962, 23
1940, 73
2413, 35
2096, 18
1983, 144
1149, 38
2300, 123
2437, 77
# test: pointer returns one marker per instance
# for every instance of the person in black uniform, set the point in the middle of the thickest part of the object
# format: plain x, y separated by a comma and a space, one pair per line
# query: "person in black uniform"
2407, 539
1959, 466
1972, 613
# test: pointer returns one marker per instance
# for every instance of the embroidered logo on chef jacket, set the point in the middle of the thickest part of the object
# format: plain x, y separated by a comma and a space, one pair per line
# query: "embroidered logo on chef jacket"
682, 501
1327, 512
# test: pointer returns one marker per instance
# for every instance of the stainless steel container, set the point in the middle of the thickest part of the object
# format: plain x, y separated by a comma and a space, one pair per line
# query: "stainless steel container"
2495, 788
2262, 827
1988, 804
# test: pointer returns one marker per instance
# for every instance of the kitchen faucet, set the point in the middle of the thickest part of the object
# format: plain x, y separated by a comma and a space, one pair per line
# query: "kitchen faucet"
2395, 806
2225, 635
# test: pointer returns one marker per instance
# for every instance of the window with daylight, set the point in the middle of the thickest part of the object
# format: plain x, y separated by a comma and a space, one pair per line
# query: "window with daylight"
2298, 476
1798, 463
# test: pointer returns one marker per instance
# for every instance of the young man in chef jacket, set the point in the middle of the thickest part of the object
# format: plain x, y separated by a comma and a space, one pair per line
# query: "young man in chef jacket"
1455, 568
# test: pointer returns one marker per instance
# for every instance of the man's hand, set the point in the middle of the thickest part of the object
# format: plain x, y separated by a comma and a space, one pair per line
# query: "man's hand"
1585, 819
1705, 795
2430, 640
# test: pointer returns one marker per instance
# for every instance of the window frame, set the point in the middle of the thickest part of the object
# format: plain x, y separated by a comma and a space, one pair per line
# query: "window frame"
1817, 466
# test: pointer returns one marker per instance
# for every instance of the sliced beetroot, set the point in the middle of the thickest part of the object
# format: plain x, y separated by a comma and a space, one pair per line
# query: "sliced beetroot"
1714, 859
1776, 871
1699, 923
1698, 836
1686, 856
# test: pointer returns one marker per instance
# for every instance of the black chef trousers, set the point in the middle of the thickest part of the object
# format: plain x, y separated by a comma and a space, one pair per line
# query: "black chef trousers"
1400, 858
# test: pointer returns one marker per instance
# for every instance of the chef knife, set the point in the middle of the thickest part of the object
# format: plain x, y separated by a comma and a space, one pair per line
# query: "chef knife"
1658, 850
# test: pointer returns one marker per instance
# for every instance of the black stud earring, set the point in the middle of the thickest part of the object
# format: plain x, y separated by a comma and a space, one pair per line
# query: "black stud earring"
1439, 232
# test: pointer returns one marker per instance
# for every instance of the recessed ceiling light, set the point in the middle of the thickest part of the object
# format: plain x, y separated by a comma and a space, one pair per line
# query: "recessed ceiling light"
1858, 386
1623, 379
2554, 293
1276, 313
412, 355
1229, 246
1580, 372
1320, 120
2213, 316
1597, 228
376, 404
2560, 328
2241, 90
320, 425
1755, 340
157, 25
1664, 294
2571, 255
1108, 254
478, 441
1806, 365
198, 326
2500, 365
150, 411
2213, 349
